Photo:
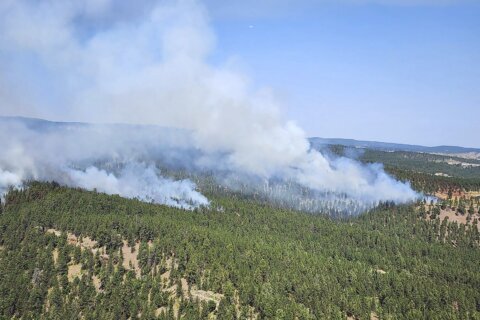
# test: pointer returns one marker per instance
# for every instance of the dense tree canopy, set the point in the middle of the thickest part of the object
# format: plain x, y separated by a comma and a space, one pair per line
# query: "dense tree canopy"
259, 261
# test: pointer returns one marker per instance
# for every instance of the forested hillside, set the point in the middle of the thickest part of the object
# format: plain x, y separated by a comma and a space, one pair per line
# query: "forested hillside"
449, 166
429, 173
68, 253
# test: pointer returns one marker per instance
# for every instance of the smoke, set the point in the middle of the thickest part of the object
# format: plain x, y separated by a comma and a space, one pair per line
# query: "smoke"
110, 159
149, 63
142, 182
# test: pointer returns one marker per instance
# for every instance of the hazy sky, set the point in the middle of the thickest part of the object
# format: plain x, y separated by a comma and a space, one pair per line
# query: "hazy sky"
403, 71
399, 71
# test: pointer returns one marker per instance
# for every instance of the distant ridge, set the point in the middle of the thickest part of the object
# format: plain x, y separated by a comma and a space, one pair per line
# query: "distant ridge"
39, 124
385, 146
45, 125
316, 142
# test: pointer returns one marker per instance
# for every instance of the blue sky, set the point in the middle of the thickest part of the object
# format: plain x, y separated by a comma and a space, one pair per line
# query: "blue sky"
405, 71
373, 71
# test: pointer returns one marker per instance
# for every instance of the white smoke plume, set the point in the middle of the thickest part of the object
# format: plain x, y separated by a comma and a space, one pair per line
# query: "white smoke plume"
92, 157
147, 62
144, 183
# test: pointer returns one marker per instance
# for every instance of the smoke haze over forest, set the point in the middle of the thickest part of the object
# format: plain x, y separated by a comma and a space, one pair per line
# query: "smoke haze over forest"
77, 60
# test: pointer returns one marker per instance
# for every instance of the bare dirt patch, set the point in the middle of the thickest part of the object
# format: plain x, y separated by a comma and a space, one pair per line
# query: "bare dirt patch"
130, 261
176, 308
184, 284
160, 310
74, 271
72, 239
172, 290
84, 242
202, 295
96, 283
454, 216
55, 232
88, 243
457, 194
166, 275
55, 255
464, 155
